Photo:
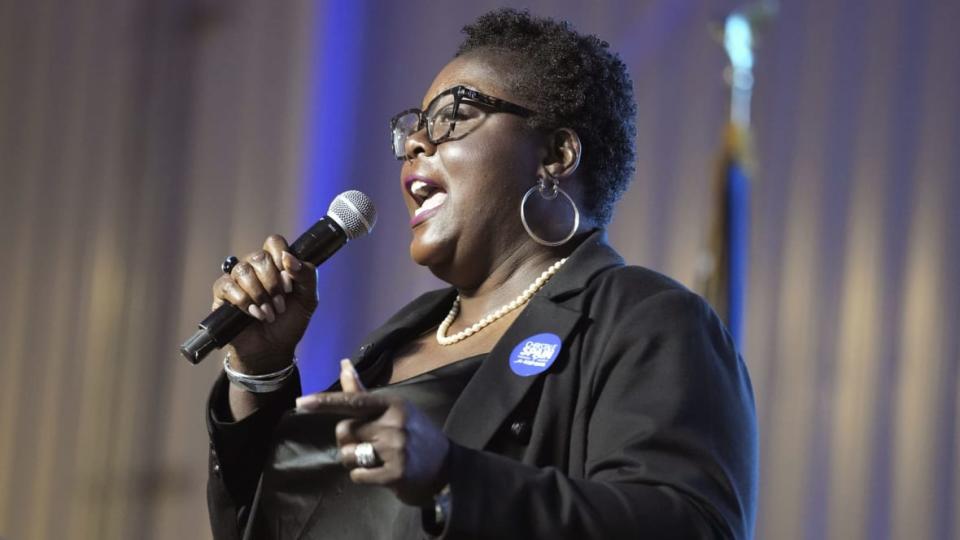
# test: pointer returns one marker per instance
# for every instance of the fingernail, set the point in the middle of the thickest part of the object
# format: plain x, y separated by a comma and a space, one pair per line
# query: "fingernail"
287, 281
267, 310
346, 365
255, 311
294, 263
299, 402
291, 261
279, 303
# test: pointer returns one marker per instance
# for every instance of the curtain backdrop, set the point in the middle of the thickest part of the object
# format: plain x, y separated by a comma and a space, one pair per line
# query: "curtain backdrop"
141, 142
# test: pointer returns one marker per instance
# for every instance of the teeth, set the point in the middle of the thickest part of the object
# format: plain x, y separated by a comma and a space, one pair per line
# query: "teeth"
433, 201
420, 188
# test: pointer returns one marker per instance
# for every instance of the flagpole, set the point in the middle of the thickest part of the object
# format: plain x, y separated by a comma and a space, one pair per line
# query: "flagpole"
722, 271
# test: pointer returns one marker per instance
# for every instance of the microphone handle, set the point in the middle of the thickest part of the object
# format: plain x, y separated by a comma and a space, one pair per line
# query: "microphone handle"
227, 321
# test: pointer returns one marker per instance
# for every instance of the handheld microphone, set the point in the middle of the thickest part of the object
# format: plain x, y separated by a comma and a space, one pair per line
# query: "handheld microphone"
351, 215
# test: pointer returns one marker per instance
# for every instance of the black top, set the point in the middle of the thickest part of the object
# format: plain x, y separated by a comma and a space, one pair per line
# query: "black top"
305, 479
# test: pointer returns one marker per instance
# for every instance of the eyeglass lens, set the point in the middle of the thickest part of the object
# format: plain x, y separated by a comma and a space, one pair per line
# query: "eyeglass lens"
405, 125
445, 119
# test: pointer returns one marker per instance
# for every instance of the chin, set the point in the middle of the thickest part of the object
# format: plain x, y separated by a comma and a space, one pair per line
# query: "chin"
437, 252
426, 250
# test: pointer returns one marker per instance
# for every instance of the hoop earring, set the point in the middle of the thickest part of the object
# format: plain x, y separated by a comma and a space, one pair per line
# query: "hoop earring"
549, 189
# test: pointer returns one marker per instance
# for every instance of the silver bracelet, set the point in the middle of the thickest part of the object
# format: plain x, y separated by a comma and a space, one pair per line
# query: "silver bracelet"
441, 508
258, 384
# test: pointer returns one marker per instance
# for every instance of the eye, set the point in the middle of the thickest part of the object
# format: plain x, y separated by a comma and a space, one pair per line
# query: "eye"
445, 114
468, 111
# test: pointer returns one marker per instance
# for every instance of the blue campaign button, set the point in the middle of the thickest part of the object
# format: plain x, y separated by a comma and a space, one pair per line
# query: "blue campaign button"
535, 354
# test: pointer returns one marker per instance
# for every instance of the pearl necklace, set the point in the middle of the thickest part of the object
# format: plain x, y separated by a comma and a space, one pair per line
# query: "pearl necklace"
524, 297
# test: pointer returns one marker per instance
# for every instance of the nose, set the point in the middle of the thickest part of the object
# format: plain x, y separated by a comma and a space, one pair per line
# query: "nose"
418, 143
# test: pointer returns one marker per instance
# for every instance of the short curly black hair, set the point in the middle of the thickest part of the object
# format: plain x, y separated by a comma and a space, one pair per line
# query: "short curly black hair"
572, 81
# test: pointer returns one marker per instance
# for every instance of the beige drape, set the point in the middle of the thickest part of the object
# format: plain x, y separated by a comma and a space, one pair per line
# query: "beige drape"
134, 139
141, 141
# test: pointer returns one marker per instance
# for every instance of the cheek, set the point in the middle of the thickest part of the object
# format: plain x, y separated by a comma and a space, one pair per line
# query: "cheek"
491, 166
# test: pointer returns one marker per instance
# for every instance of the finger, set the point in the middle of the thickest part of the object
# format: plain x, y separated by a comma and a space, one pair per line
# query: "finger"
354, 405
303, 273
290, 263
287, 281
267, 273
375, 430
344, 433
275, 245
352, 431
226, 290
348, 457
302, 280
349, 378
246, 277
384, 475
269, 276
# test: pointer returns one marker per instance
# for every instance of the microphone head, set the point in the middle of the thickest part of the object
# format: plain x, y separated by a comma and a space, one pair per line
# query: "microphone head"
354, 212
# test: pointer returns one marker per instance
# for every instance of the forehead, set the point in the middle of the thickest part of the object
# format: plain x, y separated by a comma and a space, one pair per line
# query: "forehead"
483, 72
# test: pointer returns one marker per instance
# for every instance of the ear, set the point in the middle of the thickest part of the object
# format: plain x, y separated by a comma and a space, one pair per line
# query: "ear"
563, 153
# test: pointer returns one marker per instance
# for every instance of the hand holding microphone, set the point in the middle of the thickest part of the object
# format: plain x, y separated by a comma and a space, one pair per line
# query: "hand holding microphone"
277, 286
384, 441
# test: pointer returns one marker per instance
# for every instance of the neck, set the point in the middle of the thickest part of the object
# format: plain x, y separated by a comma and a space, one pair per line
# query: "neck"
507, 279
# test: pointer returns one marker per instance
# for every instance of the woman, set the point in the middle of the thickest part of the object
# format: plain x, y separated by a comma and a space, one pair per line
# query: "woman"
551, 392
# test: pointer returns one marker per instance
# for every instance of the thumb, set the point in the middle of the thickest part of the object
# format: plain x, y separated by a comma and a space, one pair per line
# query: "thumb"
349, 378
300, 278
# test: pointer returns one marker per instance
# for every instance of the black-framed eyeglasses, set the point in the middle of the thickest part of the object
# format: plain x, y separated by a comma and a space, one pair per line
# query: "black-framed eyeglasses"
454, 113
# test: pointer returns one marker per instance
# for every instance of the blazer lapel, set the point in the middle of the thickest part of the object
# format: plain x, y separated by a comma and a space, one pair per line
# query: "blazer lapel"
495, 390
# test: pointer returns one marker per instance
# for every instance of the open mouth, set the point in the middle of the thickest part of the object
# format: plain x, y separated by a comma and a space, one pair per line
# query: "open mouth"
427, 195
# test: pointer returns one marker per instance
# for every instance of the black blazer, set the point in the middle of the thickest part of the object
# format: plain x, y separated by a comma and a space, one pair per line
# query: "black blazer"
643, 427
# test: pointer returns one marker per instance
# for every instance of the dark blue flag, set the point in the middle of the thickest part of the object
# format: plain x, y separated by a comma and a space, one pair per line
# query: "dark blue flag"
723, 272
